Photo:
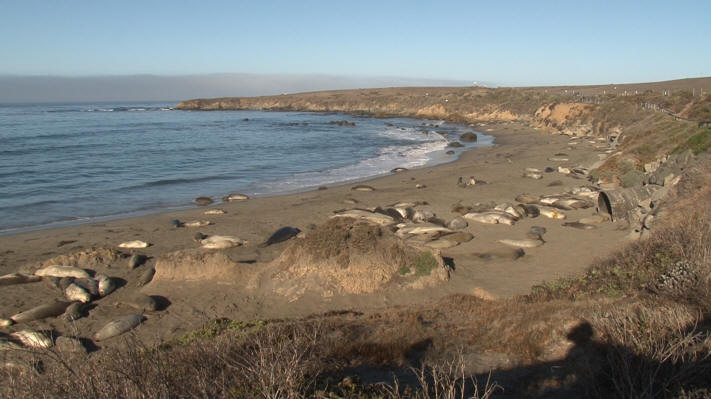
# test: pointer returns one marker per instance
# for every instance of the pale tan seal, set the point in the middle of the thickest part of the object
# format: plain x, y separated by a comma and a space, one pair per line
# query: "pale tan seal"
62, 271
134, 244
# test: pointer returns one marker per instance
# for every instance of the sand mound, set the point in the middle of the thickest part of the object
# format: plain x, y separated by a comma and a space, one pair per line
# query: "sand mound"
355, 257
88, 258
192, 265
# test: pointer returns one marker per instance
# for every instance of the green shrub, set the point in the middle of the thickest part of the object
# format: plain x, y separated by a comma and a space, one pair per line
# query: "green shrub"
424, 264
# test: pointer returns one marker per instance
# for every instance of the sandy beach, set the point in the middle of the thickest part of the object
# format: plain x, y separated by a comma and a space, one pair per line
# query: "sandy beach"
242, 287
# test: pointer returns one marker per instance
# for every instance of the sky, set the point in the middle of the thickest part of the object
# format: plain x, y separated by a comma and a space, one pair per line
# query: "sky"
510, 43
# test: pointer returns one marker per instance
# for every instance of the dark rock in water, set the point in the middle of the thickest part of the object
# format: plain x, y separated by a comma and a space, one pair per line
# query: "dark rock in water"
322, 188
176, 223
136, 260
455, 144
245, 120
450, 152
146, 277
342, 123
203, 201
280, 235
468, 137
199, 236
75, 311
548, 169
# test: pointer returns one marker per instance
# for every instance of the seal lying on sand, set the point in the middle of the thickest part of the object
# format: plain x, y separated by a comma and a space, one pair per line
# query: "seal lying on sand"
221, 242
501, 253
492, 217
363, 187
62, 271
580, 226
203, 201
33, 339
134, 244
280, 235
235, 197
118, 326
524, 243
53, 309
17, 278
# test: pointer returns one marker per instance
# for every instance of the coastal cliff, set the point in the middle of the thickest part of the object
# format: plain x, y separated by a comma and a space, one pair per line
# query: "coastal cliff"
648, 121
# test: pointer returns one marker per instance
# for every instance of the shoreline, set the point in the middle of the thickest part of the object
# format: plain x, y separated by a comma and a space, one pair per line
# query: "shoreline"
262, 189
249, 293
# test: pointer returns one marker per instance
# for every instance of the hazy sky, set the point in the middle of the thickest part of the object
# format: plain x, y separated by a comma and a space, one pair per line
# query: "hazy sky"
506, 42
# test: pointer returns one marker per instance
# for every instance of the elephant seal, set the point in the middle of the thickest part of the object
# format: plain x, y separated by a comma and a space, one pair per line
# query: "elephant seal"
280, 235
533, 175
459, 237
203, 201
552, 213
76, 293
197, 223
214, 212
40, 312
62, 271
18, 278
142, 302
235, 197
199, 236
363, 187
146, 277
221, 242
75, 311
106, 284
537, 230
491, 217
527, 199
33, 339
528, 210
524, 243
5, 323
136, 260
118, 326
457, 223
398, 170
134, 244
501, 253
89, 284
580, 226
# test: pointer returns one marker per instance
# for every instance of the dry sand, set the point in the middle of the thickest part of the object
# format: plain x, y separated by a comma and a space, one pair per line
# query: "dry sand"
238, 284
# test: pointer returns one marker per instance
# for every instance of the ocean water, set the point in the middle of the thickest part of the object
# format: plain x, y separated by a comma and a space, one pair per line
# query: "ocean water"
76, 163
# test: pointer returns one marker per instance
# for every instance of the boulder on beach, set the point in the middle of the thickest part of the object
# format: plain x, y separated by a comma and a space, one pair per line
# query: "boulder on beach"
468, 137
349, 256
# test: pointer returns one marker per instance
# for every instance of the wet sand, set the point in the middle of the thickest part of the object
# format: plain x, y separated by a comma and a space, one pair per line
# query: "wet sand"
248, 293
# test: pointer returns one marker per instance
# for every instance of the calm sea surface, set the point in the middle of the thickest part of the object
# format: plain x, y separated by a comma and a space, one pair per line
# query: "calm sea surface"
75, 163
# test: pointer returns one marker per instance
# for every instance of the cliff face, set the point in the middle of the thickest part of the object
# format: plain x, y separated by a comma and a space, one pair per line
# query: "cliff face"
453, 104
647, 126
